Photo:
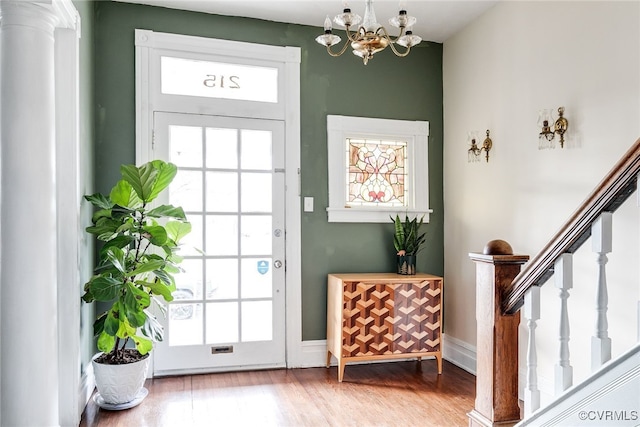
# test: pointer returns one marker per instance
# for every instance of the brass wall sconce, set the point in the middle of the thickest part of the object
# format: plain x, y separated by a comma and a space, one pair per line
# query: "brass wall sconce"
546, 138
474, 152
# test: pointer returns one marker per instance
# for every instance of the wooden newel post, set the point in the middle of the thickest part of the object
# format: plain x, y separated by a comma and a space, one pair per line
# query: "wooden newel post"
497, 341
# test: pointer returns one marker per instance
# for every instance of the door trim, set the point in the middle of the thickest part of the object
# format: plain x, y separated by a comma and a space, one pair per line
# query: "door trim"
146, 41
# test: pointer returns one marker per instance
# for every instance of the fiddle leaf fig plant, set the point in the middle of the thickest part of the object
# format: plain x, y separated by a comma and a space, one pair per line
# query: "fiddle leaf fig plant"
137, 261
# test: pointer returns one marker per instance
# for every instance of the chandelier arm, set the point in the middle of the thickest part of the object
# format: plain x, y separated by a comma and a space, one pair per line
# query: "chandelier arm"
392, 41
353, 36
400, 54
388, 37
343, 50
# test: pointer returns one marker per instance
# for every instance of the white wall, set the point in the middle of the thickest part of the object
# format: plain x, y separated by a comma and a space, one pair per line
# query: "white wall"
516, 59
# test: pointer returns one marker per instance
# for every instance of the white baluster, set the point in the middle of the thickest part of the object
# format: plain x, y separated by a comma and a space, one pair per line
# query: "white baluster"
563, 273
531, 311
601, 244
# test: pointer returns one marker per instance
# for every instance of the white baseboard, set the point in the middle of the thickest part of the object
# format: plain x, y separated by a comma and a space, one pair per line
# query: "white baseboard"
314, 354
87, 385
461, 354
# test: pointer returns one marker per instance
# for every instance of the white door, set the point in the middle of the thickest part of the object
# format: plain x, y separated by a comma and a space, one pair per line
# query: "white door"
229, 308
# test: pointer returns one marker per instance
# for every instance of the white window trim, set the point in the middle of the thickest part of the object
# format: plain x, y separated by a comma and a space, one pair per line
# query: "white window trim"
417, 135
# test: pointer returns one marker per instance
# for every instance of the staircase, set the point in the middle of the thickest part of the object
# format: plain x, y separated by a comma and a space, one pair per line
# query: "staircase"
505, 291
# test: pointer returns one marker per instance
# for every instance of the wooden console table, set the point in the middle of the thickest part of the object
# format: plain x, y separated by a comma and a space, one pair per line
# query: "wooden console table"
374, 316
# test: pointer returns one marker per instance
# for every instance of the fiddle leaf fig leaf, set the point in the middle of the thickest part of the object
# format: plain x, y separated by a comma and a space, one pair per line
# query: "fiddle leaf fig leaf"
123, 194
99, 200
136, 299
102, 213
116, 256
141, 179
146, 267
158, 288
167, 211
103, 226
152, 328
157, 234
105, 288
125, 330
164, 277
143, 345
166, 173
106, 342
118, 242
176, 230
112, 322
98, 325
135, 318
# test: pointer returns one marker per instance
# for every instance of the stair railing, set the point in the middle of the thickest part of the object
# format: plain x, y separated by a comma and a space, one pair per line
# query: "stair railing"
504, 288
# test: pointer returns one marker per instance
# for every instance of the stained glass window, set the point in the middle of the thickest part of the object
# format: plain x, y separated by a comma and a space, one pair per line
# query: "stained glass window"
377, 168
376, 173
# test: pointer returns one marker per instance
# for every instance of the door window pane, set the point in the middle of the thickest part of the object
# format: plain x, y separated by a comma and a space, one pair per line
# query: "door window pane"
186, 190
256, 235
185, 146
191, 244
256, 192
255, 151
222, 192
185, 324
222, 278
222, 148
256, 278
257, 322
222, 235
222, 322
189, 281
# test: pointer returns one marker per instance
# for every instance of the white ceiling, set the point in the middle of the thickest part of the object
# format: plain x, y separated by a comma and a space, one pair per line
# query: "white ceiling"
437, 20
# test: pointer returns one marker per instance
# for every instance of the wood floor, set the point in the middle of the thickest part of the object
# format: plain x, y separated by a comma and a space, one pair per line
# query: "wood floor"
382, 394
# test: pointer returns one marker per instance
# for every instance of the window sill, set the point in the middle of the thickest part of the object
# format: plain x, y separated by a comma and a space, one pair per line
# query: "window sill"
373, 214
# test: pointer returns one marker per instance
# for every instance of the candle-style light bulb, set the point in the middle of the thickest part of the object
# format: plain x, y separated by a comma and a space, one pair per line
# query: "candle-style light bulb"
402, 5
327, 25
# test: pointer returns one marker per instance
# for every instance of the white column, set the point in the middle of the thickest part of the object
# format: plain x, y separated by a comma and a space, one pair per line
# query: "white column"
28, 312
563, 272
601, 244
531, 311
638, 309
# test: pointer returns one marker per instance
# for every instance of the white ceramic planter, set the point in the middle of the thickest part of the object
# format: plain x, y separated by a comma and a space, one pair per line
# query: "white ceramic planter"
119, 383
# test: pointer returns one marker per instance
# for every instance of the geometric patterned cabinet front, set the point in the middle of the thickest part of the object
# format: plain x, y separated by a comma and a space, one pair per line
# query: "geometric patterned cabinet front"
375, 316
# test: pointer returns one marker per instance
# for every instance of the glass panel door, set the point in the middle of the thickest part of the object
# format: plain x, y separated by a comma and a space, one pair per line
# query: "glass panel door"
228, 311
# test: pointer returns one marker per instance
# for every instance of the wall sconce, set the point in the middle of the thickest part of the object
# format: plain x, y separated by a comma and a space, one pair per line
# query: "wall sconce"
547, 134
473, 153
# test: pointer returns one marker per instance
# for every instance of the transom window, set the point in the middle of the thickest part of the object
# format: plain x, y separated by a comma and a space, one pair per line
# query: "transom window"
191, 77
377, 168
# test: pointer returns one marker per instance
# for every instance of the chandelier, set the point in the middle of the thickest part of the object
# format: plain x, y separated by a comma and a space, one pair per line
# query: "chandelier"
370, 37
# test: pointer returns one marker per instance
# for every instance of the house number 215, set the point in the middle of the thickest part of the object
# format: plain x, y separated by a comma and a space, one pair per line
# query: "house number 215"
231, 82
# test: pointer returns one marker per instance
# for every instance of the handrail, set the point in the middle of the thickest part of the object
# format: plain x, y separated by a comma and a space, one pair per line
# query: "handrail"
612, 191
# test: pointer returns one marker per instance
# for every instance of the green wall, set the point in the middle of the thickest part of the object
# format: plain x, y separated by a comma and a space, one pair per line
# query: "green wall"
388, 87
